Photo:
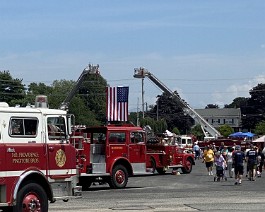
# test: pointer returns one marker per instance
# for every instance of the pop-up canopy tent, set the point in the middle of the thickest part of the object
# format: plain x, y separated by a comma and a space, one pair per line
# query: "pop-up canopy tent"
242, 135
260, 139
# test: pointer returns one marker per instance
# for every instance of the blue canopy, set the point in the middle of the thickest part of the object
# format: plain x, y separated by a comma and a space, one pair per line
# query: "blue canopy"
242, 134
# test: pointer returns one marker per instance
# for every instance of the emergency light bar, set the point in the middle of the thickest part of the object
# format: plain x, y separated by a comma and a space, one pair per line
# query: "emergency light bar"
41, 101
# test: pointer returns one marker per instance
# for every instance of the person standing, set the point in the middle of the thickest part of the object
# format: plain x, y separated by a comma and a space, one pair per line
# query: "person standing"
197, 151
260, 162
229, 162
251, 158
208, 158
238, 163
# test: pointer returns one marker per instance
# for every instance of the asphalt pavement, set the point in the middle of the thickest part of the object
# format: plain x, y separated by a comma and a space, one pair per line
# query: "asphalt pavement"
196, 191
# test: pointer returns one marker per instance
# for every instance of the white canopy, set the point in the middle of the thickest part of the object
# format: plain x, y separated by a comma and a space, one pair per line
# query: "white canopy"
168, 133
260, 139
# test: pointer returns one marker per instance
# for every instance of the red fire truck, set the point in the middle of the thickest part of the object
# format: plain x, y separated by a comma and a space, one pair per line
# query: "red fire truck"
38, 164
163, 156
112, 153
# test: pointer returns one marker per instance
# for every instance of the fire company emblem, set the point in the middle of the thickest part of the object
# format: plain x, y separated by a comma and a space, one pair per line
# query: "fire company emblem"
60, 158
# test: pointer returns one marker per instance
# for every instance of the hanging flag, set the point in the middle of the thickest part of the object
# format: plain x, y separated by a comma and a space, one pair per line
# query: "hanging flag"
117, 103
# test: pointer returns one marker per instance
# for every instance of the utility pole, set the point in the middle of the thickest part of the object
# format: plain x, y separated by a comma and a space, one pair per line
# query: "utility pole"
137, 115
143, 96
140, 73
157, 109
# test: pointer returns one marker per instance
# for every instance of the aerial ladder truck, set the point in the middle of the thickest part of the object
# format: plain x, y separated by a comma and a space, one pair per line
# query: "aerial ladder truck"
90, 69
209, 131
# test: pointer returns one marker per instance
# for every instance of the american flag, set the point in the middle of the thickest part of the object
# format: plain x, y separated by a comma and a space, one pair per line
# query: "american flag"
117, 103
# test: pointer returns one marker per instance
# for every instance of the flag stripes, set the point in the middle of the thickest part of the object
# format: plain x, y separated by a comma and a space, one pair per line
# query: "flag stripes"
117, 103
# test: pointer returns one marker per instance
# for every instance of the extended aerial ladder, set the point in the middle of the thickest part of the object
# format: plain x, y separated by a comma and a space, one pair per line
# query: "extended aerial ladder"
208, 130
90, 69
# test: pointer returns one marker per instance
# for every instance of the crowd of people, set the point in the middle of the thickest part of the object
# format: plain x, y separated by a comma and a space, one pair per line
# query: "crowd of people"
231, 161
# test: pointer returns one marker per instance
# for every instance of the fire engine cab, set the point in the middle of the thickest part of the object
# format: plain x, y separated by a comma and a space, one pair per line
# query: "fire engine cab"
38, 164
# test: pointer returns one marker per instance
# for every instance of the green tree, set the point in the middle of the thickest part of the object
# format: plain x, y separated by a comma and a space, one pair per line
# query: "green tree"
197, 131
169, 109
35, 89
225, 130
87, 104
12, 91
157, 126
260, 128
238, 103
83, 116
253, 112
60, 90
211, 106
93, 92
176, 131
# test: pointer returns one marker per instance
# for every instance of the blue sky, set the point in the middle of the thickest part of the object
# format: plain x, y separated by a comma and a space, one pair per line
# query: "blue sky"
210, 51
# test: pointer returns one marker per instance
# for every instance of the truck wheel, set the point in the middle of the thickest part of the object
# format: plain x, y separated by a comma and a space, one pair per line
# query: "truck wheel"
161, 170
119, 177
187, 167
31, 197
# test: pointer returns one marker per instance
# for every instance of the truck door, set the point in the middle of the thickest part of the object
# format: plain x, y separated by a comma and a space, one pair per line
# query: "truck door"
137, 152
61, 156
117, 145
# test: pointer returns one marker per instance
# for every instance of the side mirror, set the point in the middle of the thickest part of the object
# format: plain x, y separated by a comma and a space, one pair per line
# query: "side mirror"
70, 123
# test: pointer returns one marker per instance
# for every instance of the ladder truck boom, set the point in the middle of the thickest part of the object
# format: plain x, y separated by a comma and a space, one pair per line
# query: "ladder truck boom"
90, 69
206, 127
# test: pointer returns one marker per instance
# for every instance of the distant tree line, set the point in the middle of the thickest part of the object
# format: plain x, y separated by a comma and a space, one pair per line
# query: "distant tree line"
89, 105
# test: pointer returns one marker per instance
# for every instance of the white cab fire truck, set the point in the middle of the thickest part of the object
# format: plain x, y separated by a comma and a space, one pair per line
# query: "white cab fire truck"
38, 164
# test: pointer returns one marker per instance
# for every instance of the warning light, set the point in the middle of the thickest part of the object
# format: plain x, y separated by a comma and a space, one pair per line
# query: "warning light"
41, 101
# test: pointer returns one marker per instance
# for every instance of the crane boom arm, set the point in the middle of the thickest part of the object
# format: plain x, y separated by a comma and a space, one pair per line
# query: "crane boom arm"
90, 69
206, 127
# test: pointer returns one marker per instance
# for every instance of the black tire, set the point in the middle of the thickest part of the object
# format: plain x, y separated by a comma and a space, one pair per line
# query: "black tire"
35, 195
161, 170
187, 167
119, 177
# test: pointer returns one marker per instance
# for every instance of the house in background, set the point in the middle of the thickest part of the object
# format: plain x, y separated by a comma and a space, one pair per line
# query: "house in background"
217, 117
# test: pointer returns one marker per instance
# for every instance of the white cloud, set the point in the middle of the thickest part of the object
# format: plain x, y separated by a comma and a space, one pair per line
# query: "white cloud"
236, 90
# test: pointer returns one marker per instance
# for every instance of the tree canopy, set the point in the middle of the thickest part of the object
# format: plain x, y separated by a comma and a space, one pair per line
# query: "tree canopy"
89, 104
12, 90
169, 109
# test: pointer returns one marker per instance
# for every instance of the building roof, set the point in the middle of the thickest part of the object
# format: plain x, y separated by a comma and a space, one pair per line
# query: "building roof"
217, 112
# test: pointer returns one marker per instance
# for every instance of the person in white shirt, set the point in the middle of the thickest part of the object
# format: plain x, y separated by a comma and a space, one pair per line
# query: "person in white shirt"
229, 161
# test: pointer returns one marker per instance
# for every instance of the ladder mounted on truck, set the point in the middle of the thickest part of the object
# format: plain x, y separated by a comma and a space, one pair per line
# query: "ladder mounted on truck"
207, 128
90, 69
